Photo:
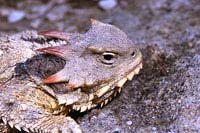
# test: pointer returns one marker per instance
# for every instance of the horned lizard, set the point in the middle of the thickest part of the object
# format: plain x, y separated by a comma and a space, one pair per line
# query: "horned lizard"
95, 66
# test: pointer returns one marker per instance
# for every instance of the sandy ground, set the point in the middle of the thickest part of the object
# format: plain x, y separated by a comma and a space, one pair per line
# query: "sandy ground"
165, 96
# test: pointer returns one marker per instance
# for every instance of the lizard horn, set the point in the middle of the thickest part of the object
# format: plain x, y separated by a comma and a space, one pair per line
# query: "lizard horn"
56, 78
60, 51
93, 21
56, 34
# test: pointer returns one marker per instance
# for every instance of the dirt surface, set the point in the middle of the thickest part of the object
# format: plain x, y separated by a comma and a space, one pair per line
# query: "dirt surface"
165, 96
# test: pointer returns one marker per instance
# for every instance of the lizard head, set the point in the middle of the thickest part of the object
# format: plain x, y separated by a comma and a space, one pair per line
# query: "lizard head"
99, 61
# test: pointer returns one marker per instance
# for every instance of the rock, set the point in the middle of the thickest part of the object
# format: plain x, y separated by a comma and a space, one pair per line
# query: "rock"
16, 16
107, 4
129, 123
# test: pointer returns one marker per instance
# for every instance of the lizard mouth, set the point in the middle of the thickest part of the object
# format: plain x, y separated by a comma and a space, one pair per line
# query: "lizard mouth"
106, 93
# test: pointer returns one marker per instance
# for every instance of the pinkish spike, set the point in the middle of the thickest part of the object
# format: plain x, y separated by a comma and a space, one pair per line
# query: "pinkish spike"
93, 21
51, 79
56, 34
71, 86
56, 78
60, 51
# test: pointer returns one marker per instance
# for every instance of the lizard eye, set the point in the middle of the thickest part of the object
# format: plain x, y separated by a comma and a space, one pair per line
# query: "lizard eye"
133, 54
108, 58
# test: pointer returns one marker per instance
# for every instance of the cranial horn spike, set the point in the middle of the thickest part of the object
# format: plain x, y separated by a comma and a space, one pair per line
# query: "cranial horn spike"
71, 86
60, 51
93, 21
56, 34
56, 78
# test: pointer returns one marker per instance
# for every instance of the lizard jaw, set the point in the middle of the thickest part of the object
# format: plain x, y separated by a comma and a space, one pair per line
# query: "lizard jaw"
111, 90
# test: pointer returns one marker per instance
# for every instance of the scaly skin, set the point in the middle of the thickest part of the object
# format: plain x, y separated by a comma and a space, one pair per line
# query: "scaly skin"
97, 64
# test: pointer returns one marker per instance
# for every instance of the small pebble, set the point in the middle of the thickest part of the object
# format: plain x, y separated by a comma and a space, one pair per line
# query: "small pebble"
15, 16
107, 4
129, 123
154, 128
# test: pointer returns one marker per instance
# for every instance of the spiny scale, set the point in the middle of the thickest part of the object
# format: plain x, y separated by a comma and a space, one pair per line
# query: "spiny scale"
100, 92
130, 75
11, 124
56, 43
120, 89
121, 82
25, 129
134, 72
18, 127
4, 120
83, 108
